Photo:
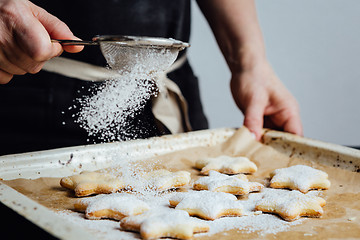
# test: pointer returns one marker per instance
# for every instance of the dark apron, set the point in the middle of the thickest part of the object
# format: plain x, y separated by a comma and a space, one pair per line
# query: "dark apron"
34, 109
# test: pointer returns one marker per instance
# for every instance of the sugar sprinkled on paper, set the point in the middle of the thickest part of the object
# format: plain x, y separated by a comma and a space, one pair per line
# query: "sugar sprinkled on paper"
264, 223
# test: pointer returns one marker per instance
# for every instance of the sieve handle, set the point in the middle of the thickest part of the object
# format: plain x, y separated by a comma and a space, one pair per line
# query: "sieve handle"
66, 42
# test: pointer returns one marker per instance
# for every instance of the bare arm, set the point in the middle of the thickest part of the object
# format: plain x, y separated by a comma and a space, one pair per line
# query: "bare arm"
256, 89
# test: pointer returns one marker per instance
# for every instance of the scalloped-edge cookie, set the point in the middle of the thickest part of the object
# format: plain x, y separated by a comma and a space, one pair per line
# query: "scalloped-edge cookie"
207, 205
87, 183
164, 222
226, 164
235, 184
299, 177
290, 205
115, 206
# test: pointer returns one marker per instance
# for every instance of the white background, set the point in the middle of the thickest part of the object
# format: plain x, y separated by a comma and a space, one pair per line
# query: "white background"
313, 46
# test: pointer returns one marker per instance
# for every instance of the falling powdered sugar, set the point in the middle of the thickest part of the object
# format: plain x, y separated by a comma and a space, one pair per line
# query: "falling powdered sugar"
108, 111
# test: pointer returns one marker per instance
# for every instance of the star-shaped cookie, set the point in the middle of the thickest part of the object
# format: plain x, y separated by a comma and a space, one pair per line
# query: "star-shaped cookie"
164, 222
226, 164
207, 205
290, 205
162, 179
114, 206
236, 184
88, 183
299, 177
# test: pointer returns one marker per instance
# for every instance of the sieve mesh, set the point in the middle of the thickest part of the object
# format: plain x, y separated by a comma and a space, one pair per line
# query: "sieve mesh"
142, 61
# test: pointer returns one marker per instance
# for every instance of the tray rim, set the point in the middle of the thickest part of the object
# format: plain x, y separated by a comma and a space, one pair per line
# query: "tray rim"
332, 154
74, 158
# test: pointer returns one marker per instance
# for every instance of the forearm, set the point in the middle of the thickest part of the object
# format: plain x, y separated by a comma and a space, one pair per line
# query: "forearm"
237, 31
256, 89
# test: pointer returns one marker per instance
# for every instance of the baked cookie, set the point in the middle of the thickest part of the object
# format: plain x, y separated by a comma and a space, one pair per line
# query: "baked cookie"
299, 177
162, 179
236, 184
207, 205
115, 206
88, 183
226, 164
164, 222
290, 205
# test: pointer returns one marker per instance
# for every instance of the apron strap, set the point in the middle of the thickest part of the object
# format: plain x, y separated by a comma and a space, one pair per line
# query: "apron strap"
79, 70
169, 107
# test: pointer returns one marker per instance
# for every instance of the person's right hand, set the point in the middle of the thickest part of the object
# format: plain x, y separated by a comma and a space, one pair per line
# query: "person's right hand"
26, 31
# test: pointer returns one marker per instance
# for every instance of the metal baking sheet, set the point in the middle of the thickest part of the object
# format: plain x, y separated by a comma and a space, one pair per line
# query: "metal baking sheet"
69, 161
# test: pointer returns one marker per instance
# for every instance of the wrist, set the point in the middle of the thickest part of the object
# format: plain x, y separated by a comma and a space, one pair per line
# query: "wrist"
246, 58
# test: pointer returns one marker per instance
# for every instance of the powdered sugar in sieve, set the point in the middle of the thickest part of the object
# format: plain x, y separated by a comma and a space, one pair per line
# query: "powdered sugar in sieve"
145, 62
145, 56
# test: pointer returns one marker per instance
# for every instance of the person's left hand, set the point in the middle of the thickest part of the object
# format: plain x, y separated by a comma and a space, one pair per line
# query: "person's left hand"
265, 101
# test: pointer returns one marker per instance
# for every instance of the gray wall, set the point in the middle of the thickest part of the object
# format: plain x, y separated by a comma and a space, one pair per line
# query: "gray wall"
314, 47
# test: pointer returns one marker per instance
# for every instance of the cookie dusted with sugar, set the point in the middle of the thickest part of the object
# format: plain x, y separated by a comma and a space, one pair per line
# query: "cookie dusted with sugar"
162, 179
88, 183
226, 164
207, 205
164, 222
236, 184
290, 205
115, 206
299, 177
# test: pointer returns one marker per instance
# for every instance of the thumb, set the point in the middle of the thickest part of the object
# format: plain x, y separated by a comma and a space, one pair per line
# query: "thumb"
56, 28
254, 117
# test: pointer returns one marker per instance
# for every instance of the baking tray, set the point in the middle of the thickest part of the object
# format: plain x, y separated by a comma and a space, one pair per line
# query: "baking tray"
69, 161
72, 160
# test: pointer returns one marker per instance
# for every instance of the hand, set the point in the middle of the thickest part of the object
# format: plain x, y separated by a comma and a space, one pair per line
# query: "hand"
265, 101
25, 38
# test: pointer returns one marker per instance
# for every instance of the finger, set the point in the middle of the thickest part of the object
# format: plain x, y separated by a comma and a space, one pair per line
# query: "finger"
73, 48
269, 123
5, 77
34, 41
56, 28
294, 125
254, 117
17, 57
288, 118
7, 66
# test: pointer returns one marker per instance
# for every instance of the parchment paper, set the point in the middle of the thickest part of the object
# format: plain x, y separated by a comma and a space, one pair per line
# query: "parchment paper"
342, 211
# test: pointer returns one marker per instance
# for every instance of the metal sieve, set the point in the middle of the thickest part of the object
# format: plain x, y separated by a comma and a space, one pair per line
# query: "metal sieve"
132, 54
